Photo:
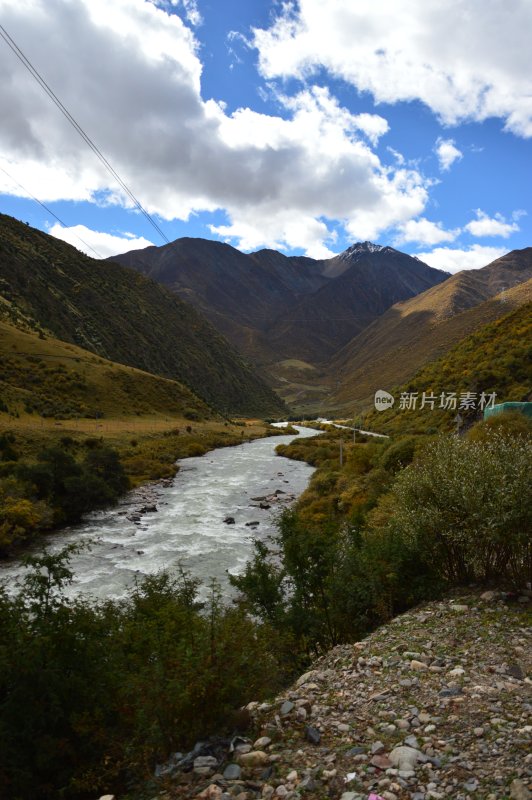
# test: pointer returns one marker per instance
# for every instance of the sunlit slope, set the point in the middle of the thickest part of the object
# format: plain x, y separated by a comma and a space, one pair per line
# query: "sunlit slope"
417, 331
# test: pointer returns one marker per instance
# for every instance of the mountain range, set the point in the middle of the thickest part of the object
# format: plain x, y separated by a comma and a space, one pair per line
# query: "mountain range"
288, 315
230, 327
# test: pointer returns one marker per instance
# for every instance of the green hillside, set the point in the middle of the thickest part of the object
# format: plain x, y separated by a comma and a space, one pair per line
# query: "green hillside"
496, 358
50, 378
124, 317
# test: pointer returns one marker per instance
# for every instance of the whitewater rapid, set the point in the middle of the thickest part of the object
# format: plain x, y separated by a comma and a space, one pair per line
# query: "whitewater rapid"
187, 528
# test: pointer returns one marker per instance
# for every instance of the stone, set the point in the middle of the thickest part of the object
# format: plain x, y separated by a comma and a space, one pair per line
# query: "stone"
450, 691
519, 790
459, 608
229, 520
478, 732
204, 765
292, 776
516, 671
312, 735
404, 758
212, 792
232, 772
418, 666
261, 743
411, 741
107, 797
286, 708
381, 762
355, 751
489, 596
456, 672
377, 747
257, 758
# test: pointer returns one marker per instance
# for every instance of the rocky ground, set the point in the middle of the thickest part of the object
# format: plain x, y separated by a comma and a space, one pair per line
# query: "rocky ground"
436, 704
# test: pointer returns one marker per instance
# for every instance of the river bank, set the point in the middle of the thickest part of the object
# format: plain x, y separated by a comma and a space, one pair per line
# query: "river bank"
204, 520
133, 452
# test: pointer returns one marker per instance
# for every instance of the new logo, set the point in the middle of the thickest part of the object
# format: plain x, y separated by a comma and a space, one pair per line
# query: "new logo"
383, 400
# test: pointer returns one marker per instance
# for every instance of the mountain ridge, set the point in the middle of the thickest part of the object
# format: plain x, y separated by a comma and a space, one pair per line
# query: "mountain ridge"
124, 317
263, 301
416, 331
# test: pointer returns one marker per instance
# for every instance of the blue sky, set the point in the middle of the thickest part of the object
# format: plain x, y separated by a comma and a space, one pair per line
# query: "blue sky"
301, 126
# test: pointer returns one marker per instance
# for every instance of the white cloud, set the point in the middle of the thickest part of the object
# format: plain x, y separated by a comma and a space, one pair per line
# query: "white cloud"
484, 225
466, 61
452, 260
423, 231
447, 153
130, 74
96, 242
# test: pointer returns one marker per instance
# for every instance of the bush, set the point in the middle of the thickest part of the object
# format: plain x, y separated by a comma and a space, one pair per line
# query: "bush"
94, 695
467, 506
399, 453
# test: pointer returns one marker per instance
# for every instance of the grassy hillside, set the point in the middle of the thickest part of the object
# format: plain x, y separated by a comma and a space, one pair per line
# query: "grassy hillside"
496, 358
49, 378
122, 316
412, 333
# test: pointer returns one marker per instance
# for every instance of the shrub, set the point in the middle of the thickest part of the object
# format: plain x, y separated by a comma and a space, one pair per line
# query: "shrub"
467, 506
94, 695
399, 453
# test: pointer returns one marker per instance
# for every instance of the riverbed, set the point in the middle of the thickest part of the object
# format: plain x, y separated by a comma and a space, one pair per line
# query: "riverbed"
186, 521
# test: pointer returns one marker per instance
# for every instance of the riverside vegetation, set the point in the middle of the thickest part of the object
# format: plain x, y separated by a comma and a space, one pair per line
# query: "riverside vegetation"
50, 478
94, 695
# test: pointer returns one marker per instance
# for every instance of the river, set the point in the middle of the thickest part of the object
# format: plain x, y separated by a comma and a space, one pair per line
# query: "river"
188, 526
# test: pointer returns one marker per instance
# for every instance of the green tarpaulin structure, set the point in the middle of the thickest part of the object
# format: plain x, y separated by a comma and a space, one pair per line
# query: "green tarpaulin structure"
501, 408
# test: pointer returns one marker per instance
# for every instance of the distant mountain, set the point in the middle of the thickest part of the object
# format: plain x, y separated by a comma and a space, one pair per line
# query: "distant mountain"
369, 279
273, 307
414, 332
125, 317
240, 294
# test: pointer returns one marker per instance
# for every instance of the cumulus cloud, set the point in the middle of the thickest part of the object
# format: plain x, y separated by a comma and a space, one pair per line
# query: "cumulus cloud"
97, 242
130, 74
484, 225
447, 153
423, 231
465, 61
455, 260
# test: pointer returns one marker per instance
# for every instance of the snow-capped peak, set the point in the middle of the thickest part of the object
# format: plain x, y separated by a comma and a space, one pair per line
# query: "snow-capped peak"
361, 249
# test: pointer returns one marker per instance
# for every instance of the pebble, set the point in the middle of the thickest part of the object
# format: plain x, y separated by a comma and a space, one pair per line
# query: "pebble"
286, 708
418, 666
257, 758
261, 743
454, 726
519, 791
232, 772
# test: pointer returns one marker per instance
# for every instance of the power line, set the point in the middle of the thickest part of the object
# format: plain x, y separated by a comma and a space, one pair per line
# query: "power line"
46, 88
49, 210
